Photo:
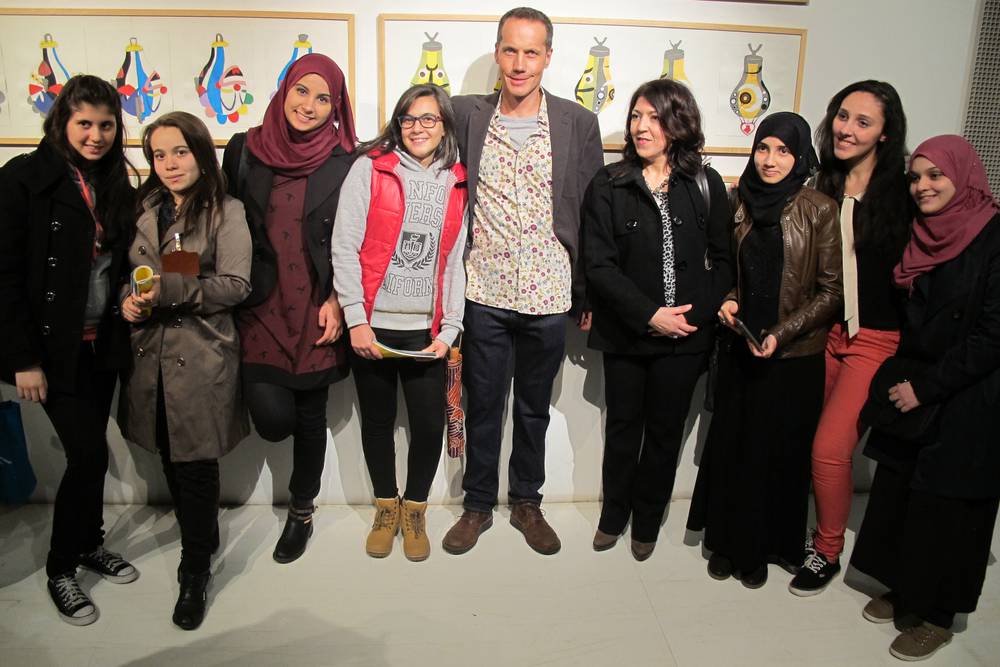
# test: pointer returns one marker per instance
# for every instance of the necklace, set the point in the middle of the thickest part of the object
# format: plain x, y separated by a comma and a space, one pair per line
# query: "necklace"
657, 188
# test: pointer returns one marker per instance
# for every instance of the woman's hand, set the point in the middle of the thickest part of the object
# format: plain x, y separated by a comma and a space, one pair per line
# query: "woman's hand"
137, 309
727, 312
768, 346
671, 322
31, 384
363, 342
331, 321
585, 319
903, 397
438, 348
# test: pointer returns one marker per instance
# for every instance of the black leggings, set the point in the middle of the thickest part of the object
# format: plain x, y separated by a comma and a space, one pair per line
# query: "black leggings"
80, 419
194, 488
424, 393
279, 412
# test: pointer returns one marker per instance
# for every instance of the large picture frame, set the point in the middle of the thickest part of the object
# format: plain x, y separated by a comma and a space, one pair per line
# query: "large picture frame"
722, 63
221, 65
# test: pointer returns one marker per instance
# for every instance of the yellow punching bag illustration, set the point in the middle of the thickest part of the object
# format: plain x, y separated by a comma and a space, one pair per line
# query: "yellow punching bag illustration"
595, 90
673, 64
750, 98
431, 67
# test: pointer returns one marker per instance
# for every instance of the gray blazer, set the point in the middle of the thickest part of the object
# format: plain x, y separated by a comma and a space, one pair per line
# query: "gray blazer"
576, 156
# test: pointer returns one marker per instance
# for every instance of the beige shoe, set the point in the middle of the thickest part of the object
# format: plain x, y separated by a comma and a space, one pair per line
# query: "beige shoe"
920, 642
384, 528
416, 546
879, 610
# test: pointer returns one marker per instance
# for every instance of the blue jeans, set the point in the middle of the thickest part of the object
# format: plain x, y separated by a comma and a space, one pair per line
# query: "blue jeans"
496, 339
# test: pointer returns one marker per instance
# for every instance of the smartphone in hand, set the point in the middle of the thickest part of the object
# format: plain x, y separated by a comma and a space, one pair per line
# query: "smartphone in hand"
748, 335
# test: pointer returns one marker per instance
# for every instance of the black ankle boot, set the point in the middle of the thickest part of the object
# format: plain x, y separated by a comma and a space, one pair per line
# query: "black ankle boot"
190, 608
295, 536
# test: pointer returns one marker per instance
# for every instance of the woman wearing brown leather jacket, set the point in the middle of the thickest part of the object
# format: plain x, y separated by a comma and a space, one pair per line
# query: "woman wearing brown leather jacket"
753, 483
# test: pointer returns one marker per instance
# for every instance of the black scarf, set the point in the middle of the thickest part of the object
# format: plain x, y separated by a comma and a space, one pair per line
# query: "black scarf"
765, 201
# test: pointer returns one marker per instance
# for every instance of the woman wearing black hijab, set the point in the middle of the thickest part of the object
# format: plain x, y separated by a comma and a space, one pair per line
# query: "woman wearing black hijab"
751, 496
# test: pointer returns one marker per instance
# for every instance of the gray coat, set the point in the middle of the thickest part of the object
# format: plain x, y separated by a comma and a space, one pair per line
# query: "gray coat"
190, 339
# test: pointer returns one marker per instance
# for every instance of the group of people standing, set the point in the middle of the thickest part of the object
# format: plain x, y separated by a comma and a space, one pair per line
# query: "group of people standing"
492, 218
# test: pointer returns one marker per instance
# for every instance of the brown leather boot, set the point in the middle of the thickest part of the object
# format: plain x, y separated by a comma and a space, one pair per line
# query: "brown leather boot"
416, 546
642, 550
466, 531
527, 518
604, 541
384, 528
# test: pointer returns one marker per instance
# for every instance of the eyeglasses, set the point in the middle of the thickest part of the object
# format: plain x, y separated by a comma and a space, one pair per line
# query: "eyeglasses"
428, 120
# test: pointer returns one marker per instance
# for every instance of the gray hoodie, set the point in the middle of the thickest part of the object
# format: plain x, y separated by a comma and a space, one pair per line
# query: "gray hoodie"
405, 300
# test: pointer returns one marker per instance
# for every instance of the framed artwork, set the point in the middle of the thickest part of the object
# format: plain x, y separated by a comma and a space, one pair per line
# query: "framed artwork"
222, 66
738, 73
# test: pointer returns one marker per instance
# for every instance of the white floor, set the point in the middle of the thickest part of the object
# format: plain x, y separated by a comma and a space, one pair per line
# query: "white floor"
500, 604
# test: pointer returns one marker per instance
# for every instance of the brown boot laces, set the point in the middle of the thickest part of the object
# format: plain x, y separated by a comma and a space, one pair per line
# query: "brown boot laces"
383, 518
416, 522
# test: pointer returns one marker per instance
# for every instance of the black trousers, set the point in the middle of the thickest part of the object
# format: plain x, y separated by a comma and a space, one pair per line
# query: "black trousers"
279, 412
80, 419
931, 551
194, 488
648, 399
424, 392
751, 496
493, 339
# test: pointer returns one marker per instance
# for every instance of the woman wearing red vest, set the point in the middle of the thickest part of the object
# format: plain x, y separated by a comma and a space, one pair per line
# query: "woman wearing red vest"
397, 252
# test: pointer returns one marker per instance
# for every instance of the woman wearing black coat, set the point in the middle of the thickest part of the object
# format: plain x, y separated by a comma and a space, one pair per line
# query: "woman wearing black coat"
933, 503
65, 226
657, 258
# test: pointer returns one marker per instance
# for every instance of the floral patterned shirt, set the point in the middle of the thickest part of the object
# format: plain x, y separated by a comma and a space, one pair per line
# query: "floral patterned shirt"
515, 260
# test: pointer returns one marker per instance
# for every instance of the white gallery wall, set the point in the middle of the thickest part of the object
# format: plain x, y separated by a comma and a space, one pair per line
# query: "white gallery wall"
923, 47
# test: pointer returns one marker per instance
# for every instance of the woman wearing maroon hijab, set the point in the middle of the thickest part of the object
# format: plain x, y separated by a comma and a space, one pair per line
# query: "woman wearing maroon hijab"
288, 172
929, 522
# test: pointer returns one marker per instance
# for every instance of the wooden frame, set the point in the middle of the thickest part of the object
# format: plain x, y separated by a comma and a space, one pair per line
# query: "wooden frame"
385, 21
341, 52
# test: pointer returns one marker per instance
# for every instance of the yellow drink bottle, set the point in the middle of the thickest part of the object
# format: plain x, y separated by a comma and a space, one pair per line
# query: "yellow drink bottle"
142, 281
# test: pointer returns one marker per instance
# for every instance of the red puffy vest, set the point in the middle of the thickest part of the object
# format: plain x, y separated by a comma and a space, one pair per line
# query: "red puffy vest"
385, 222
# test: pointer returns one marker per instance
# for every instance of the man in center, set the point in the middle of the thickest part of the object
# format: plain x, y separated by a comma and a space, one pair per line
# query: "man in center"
530, 156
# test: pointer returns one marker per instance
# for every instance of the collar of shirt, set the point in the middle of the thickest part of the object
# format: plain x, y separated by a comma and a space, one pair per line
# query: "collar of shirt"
497, 125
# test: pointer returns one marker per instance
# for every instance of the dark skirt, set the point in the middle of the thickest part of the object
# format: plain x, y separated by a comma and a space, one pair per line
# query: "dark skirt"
930, 550
752, 492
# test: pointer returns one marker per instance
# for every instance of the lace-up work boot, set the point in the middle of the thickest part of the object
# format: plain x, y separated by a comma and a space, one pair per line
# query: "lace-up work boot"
920, 642
72, 603
109, 565
384, 528
416, 546
527, 518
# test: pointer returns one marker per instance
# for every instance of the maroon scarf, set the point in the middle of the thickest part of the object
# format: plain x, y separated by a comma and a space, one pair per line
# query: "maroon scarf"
942, 236
290, 152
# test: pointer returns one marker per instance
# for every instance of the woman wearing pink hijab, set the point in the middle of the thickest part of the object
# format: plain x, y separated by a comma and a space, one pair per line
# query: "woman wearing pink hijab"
288, 172
933, 503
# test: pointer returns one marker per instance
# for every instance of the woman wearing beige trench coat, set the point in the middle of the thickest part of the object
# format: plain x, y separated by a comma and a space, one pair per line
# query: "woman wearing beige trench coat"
183, 396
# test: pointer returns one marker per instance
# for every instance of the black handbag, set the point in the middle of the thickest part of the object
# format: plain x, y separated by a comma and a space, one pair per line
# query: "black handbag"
919, 425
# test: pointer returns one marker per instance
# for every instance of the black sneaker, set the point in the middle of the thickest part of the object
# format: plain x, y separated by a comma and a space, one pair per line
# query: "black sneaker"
815, 575
109, 565
73, 604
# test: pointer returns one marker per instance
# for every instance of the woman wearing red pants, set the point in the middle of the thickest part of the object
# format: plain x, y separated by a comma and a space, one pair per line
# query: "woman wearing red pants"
861, 143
